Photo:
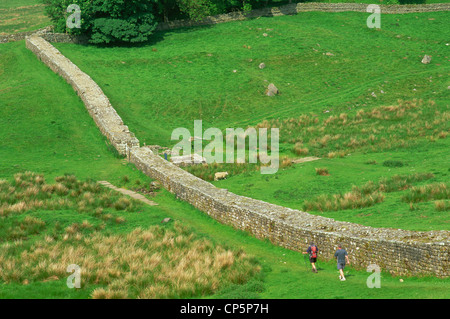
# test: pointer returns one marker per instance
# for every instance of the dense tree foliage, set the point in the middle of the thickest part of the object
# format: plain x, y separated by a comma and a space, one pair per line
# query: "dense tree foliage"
129, 21
106, 21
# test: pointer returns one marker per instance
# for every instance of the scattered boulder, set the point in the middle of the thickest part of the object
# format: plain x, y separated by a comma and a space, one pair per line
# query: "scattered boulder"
220, 175
262, 66
426, 59
166, 220
272, 90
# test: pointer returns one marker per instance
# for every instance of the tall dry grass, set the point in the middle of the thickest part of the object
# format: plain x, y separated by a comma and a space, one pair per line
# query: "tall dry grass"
28, 191
146, 263
369, 194
435, 191
375, 129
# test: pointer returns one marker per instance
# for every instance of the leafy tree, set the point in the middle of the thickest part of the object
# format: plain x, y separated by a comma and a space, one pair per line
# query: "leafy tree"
196, 9
106, 21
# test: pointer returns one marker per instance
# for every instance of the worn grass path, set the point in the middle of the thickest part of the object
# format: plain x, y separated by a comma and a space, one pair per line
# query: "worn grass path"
129, 193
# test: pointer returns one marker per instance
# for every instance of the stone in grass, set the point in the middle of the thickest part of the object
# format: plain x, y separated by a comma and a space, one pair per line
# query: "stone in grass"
262, 66
272, 90
166, 220
426, 59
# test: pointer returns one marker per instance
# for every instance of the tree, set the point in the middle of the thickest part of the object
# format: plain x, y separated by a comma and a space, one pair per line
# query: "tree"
196, 9
106, 21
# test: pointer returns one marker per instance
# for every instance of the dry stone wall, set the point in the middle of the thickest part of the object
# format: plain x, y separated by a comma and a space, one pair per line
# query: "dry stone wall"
295, 8
399, 252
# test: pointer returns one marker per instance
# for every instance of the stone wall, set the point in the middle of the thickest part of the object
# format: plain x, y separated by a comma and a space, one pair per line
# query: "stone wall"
49, 36
397, 251
97, 104
295, 8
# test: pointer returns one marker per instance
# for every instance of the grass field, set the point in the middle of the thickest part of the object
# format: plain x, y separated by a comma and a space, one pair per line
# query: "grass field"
31, 142
22, 15
188, 74
45, 128
370, 101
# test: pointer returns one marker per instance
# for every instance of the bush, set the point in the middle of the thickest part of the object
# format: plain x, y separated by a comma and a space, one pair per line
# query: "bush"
106, 21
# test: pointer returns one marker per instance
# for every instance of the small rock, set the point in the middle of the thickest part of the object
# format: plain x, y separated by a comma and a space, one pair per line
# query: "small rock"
329, 54
426, 59
265, 34
166, 220
272, 90
262, 66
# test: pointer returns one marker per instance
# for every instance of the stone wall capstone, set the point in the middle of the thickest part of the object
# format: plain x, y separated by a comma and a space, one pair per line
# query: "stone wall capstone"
399, 252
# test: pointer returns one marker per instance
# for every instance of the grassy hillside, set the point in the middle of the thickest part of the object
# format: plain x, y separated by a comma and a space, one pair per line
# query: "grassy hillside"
22, 15
353, 96
189, 74
72, 145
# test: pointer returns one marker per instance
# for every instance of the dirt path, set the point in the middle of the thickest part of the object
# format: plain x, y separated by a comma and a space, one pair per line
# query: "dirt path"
305, 159
129, 193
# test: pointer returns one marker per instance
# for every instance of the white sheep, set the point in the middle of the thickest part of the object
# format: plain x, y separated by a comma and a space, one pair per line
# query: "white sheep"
220, 175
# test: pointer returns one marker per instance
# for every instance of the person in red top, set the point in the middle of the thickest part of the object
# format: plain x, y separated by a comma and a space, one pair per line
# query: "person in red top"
312, 251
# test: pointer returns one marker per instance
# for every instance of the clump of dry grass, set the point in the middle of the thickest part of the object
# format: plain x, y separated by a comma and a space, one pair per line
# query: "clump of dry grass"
349, 200
29, 192
146, 263
300, 150
322, 171
435, 191
366, 195
442, 205
22, 229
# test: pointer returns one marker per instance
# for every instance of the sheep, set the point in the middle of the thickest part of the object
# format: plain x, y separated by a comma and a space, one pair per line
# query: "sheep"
220, 175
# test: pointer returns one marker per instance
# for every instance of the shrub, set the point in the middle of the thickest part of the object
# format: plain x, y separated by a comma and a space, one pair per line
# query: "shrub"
322, 171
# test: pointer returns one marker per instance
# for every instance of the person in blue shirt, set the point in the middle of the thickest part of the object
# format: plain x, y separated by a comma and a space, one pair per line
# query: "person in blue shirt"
341, 257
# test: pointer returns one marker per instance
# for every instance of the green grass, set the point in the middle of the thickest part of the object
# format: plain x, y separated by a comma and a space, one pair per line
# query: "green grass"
161, 261
46, 129
22, 16
295, 185
322, 110
188, 74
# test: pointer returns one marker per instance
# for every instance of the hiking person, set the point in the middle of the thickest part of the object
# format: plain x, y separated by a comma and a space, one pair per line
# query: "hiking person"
312, 251
342, 257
